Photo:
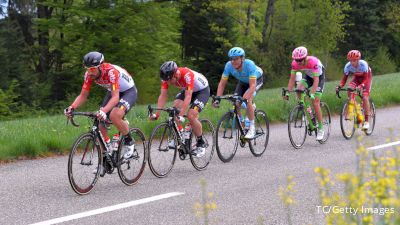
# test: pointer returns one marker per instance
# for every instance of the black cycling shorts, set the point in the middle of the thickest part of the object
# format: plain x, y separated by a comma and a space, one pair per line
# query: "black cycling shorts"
241, 87
127, 99
199, 98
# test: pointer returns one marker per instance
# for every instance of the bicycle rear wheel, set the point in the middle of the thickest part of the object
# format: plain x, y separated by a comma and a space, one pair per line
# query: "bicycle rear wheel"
130, 170
297, 126
347, 121
371, 118
258, 145
84, 164
227, 137
326, 120
200, 163
161, 155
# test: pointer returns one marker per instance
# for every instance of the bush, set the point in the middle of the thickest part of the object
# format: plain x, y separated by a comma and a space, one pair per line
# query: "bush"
382, 63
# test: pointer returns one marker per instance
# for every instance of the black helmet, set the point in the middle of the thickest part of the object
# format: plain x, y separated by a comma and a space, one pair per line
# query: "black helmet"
93, 59
167, 69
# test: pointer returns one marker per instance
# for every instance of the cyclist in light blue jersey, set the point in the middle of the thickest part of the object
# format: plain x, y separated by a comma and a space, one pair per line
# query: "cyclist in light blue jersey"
250, 79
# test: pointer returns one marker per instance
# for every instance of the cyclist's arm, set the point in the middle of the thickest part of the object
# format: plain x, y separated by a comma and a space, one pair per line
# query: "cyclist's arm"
221, 85
162, 99
186, 101
291, 80
344, 80
80, 99
112, 102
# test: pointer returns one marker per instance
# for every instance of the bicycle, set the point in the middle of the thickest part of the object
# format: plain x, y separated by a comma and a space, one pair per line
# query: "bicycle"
89, 154
162, 155
349, 120
231, 127
303, 118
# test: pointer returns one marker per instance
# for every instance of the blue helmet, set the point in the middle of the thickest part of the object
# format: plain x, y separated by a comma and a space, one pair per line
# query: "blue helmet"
236, 51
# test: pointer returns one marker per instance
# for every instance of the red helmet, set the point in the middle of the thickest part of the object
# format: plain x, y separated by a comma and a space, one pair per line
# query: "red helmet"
353, 55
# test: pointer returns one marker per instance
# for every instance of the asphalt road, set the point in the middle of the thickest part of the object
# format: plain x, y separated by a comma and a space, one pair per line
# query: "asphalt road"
244, 190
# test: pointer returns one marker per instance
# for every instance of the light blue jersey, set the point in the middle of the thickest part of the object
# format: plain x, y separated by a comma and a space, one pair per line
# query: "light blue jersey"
359, 71
249, 70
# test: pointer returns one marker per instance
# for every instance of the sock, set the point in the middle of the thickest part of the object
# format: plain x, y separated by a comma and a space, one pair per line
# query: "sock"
320, 125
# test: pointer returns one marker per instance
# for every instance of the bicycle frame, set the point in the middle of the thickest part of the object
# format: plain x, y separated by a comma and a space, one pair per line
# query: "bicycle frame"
305, 104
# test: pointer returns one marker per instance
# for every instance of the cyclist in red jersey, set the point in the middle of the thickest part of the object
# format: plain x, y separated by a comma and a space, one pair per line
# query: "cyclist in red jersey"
121, 96
362, 79
193, 96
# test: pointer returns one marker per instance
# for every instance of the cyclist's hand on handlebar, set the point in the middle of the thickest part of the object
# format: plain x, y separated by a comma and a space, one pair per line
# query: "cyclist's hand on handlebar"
101, 115
360, 87
215, 104
337, 88
286, 96
154, 116
68, 111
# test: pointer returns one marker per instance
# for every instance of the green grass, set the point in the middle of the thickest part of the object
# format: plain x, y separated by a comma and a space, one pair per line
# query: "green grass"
47, 135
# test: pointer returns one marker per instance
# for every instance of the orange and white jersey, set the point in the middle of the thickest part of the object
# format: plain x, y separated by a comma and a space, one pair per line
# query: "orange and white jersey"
112, 78
189, 80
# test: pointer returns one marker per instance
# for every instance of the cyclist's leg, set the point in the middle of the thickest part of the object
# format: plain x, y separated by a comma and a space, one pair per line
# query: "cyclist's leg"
239, 91
199, 100
250, 105
365, 95
178, 104
103, 130
317, 100
303, 84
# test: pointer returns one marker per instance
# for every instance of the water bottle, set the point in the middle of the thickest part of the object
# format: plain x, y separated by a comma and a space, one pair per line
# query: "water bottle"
246, 123
360, 116
186, 132
114, 142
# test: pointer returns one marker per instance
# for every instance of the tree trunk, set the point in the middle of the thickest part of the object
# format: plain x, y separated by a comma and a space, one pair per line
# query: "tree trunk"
43, 12
268, 13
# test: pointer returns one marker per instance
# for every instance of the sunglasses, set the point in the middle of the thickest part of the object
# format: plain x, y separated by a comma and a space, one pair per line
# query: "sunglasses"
92, 69
234, 58
299, 60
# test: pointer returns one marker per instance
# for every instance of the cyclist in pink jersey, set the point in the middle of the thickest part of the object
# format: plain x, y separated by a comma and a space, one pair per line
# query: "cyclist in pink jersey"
314, 79
121, 96
193, 96
362, 79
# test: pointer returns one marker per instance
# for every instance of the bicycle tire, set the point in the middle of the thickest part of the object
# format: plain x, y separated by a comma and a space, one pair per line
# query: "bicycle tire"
200, 163
372, 115
326, 117
347, 123
154, 148
135, 165
226, 125
300, 123
75, 161
258, 145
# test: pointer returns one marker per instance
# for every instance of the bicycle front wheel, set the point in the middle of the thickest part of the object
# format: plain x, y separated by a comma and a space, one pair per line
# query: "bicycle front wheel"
347, 121
326, 121
200, 163
297, 126
260, 141
84, 163
162, 150
130, 170
371, 118
227, 137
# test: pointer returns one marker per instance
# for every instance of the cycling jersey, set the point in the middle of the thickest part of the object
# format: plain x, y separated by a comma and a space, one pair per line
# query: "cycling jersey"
312, 68
361, 70
112, 78
189, 80
249, 71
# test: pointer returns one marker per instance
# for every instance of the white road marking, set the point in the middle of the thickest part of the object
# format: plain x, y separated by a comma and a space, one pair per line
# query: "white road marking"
383, 146
109, 208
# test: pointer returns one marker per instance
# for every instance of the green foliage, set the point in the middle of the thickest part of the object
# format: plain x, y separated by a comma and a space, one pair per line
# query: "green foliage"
8, 104
382, 63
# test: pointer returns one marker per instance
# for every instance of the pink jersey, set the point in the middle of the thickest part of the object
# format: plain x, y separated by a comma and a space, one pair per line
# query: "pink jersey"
112, 78
312, 68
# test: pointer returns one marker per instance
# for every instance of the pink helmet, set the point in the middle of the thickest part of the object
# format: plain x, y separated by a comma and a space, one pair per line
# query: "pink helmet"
299, 53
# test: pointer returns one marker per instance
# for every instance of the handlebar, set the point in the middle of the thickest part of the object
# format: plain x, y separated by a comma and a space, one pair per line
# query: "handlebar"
92, 115
357, 91
284, 91
231, 98
172, 111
